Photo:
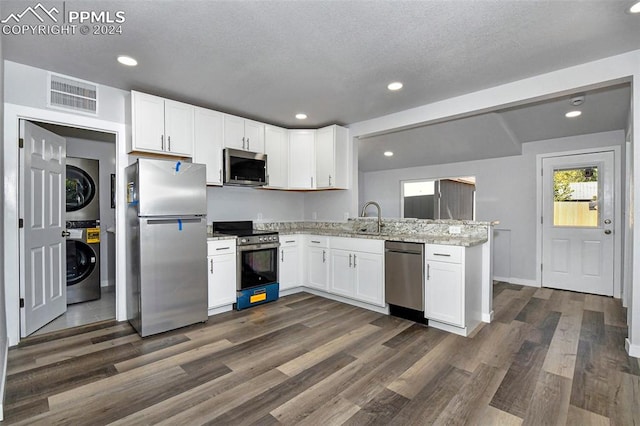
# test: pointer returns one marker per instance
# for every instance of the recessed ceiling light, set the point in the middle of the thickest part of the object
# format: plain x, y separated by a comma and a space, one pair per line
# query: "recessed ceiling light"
635, 8
301, 116
388, 154
573, 114
127, 60
396, 85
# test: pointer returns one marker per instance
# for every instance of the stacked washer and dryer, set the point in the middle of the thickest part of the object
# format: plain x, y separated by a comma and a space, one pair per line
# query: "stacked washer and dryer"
83, 225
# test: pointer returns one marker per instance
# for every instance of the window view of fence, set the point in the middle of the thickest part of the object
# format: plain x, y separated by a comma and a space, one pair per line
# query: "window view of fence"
575, 197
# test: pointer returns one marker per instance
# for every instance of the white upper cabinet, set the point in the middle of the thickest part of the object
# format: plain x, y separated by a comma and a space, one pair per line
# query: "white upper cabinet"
161, 126
209, 134
331, 157
302, 159
240, 133
276, 145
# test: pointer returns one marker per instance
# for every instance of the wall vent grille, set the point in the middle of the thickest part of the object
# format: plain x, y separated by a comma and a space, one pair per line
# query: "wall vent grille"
73, 94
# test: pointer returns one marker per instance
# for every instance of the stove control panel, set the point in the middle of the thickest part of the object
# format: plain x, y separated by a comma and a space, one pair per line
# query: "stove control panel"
258, 239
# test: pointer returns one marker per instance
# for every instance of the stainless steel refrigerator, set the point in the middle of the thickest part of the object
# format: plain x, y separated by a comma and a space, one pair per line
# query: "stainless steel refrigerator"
166, 245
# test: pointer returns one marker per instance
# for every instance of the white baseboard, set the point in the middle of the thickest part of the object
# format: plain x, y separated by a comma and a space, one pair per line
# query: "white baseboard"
3, 379
219, 310
518, 281
293, 290
487, 317
632, 350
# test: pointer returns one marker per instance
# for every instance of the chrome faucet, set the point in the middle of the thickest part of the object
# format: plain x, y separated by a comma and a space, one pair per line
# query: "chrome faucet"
364, 213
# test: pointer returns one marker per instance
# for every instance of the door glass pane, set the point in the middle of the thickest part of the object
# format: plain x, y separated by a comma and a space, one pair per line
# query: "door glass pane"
575, 197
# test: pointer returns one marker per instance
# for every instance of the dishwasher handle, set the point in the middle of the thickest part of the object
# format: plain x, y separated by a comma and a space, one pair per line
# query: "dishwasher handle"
419, 253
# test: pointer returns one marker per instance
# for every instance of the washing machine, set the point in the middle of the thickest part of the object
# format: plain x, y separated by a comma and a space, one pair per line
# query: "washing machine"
83, 261
82, 191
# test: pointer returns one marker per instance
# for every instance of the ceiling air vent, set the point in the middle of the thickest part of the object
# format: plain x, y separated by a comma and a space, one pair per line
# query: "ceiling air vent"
73, 94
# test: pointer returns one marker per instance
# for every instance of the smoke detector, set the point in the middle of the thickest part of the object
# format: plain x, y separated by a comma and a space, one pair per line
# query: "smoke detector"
577, 100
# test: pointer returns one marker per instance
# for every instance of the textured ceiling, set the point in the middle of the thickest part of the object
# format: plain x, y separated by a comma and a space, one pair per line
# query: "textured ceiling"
331, 59
496, 134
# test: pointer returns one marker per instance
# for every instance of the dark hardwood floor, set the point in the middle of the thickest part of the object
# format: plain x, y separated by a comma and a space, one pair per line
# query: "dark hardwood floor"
550, 357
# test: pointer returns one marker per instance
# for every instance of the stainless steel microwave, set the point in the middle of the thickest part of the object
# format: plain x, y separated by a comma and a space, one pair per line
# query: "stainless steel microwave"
244, 168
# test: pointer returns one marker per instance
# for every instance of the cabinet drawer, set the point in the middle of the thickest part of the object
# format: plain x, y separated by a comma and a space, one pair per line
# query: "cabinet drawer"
289, 240
221, 247
442, 253
317, 241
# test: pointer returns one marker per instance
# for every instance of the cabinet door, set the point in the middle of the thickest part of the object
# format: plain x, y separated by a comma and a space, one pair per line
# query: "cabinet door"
325, 157
178, 128
275, 145
301, 159
443, 293
222, 279
208, 126
318, 267
342, 273
234, 132
254, 136
147, 122
369, 277
289, 267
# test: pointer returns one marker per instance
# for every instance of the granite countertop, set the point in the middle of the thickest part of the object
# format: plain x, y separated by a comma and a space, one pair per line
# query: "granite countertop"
217, 237
452, 240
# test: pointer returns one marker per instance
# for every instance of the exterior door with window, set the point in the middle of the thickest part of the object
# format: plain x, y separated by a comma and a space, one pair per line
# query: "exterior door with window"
577, 222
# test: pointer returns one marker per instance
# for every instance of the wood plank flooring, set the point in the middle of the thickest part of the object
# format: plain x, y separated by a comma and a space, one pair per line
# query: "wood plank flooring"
550, 357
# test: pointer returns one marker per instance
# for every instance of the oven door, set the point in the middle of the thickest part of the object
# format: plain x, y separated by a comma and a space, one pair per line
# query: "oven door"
257, 265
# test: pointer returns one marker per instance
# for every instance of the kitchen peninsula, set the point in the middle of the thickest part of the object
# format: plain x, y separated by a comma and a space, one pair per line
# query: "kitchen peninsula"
344, 261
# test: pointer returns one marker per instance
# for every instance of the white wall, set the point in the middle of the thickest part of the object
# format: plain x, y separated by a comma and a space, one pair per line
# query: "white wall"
105, 153
243, 203
505, 191
3, 314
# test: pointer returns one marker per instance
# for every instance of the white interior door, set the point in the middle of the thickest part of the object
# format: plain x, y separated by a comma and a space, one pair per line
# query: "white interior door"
43, 284
577, 224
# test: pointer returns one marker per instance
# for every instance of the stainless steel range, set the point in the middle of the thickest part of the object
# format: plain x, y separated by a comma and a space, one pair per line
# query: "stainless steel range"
257, 262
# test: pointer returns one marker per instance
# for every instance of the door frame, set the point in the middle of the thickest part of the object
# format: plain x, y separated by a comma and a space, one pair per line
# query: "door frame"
12, 114
617, 211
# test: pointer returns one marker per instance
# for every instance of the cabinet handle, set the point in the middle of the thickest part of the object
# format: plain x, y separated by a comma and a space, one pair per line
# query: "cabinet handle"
428, 271
211, 265
290, 241
281, 255
329, 180
442, 254
324, 256
354, 261
220, 175
315, 242
162, 142
312, 181
248, 144
223, 248
168, 143
243, 143
350, 260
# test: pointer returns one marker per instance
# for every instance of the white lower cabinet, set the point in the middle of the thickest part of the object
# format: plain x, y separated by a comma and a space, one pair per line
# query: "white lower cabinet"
221, 264
357, 269
317, 262
290, 273
453, 287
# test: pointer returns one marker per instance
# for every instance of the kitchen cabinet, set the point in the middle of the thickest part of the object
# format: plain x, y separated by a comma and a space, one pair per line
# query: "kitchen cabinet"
208, 135
276, 146
453, 287
357, 269
161, 126
317, 262
331, 157
221, 264
240, 133
290, 262
301, 159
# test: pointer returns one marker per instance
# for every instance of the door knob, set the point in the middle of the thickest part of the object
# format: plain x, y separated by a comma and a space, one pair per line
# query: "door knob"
607, 231
65, 233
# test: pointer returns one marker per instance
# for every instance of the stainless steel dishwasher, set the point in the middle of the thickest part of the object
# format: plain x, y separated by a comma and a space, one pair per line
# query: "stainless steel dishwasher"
404, 279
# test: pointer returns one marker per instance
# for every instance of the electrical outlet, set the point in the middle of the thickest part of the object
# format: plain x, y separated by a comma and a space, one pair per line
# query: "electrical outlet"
455, 229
